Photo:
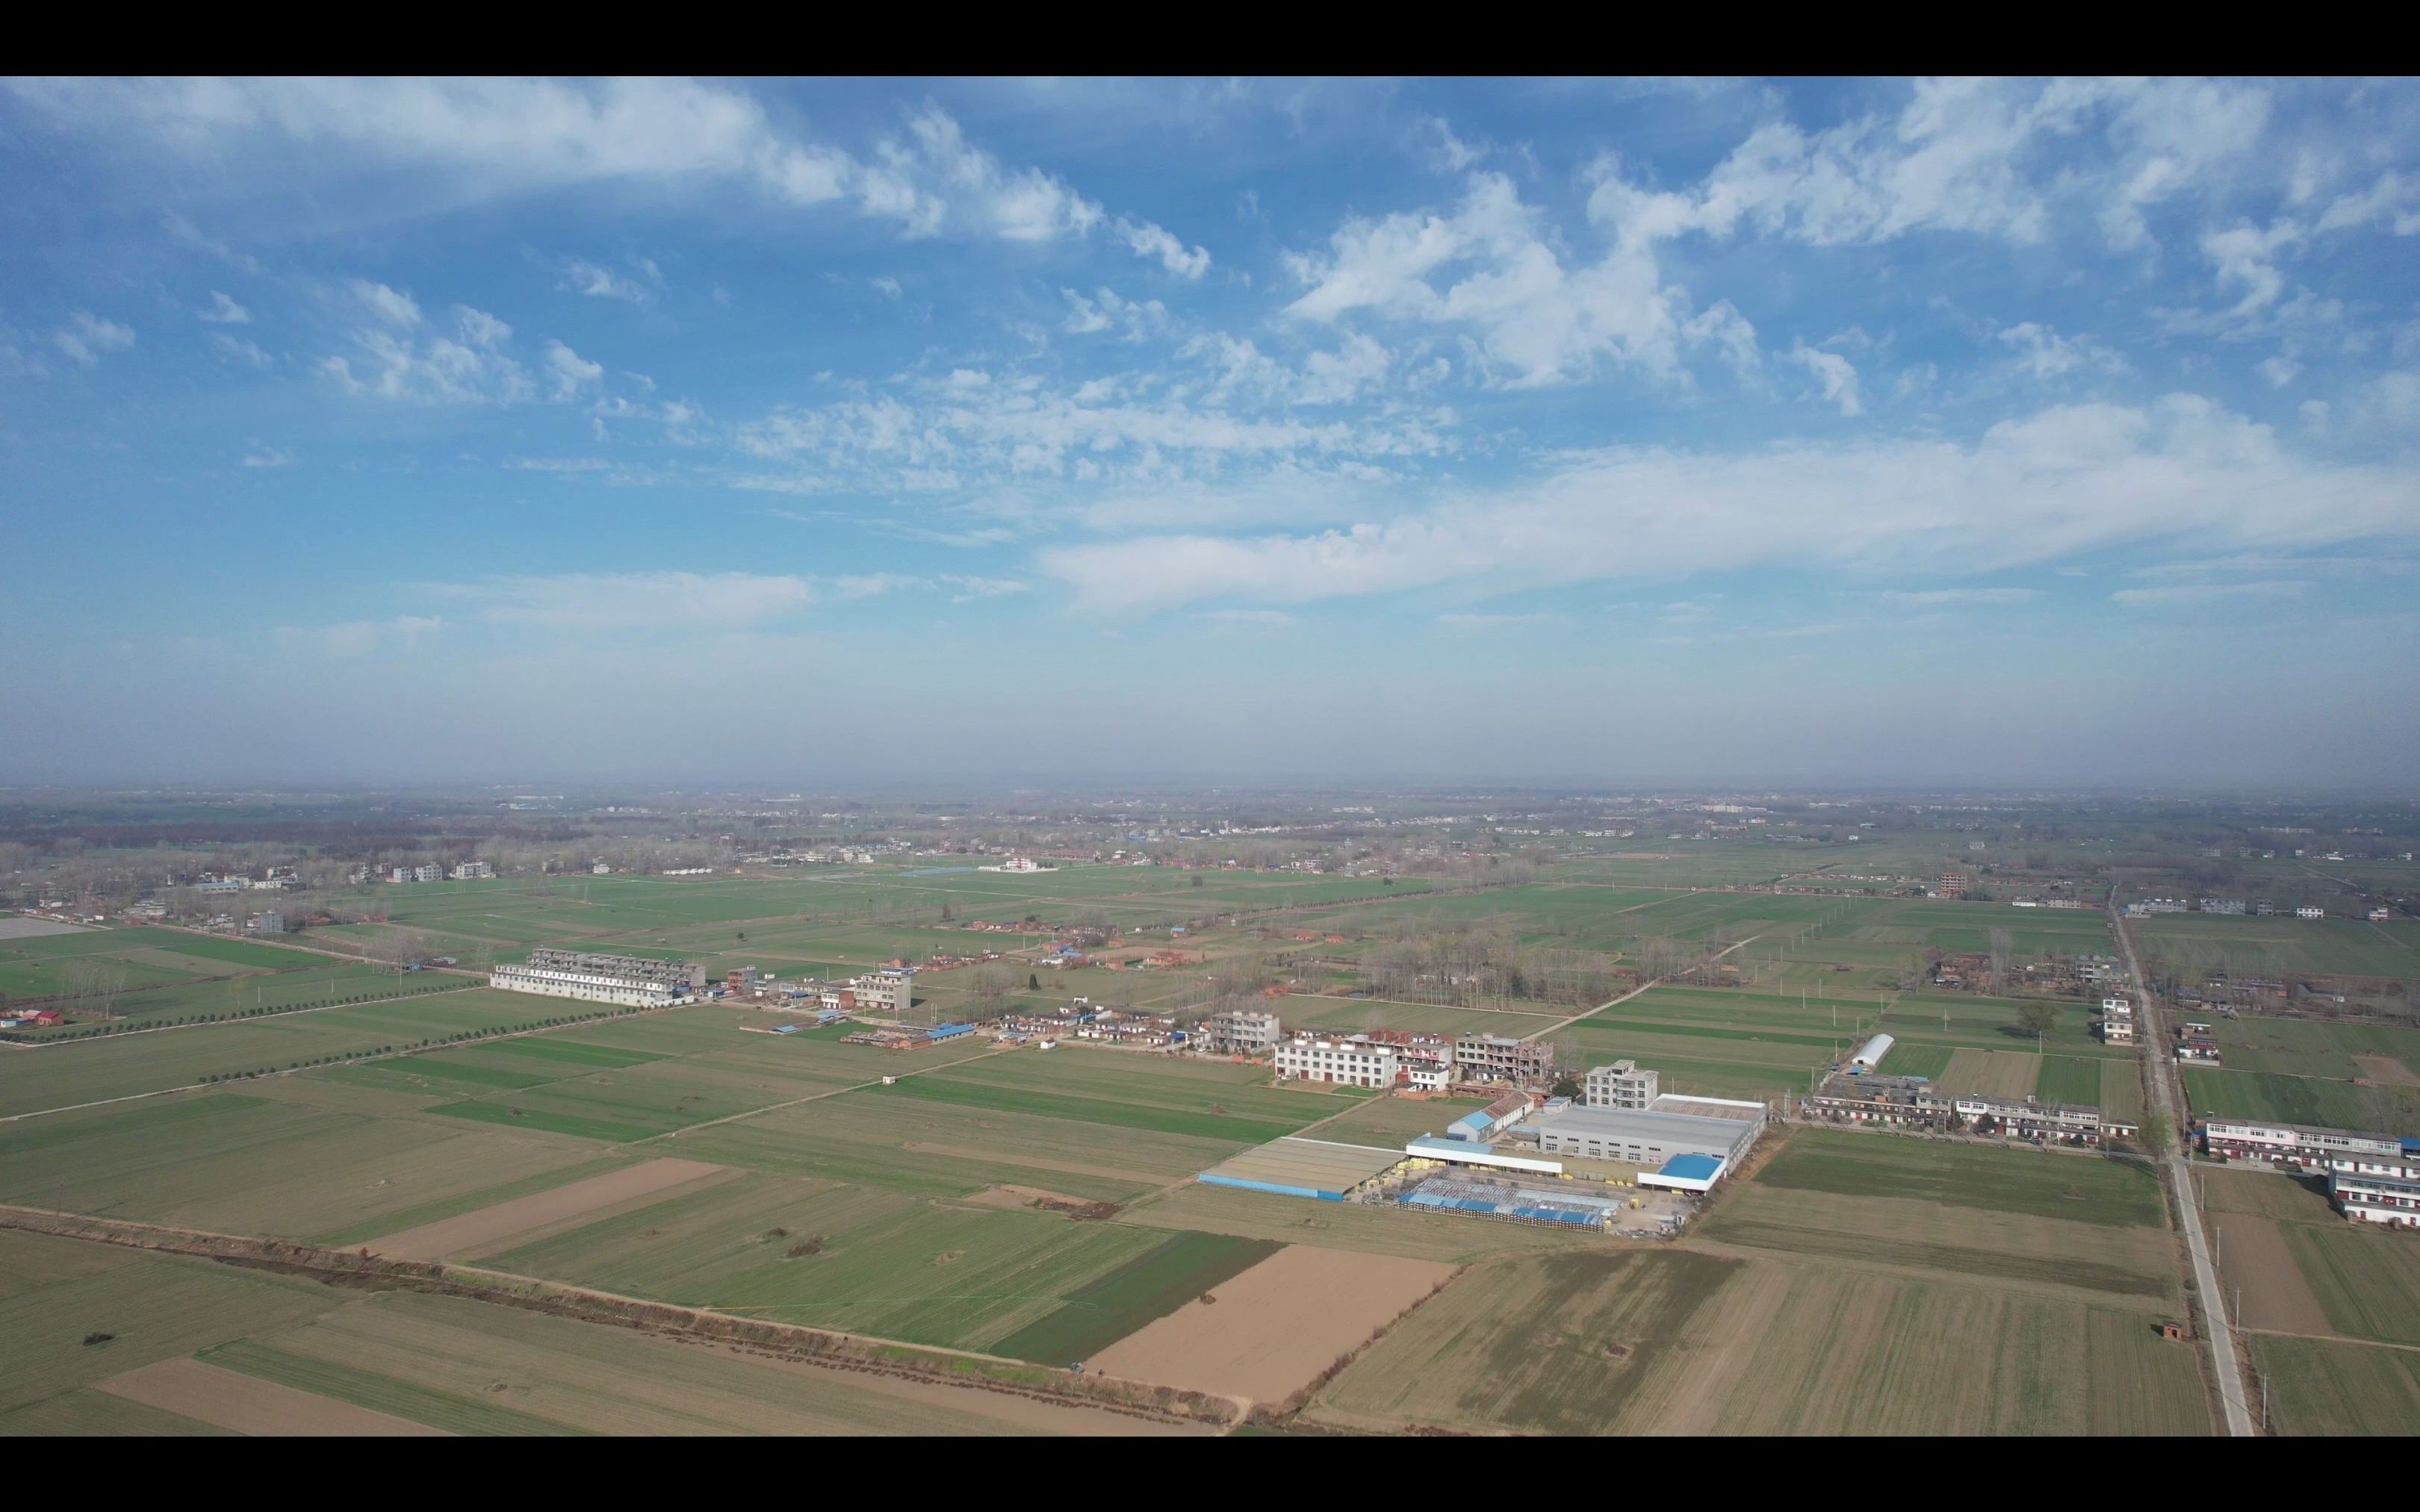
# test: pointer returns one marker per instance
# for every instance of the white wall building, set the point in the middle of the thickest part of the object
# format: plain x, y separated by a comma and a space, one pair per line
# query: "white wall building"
1621, 1086
888, 991
626, 991
1241, 1033
1353, 1061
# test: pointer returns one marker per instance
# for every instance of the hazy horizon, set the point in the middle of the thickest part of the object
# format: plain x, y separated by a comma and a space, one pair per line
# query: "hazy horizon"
1864, 435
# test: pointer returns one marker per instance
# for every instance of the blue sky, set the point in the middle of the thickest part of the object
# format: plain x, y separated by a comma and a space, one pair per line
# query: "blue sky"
850, 433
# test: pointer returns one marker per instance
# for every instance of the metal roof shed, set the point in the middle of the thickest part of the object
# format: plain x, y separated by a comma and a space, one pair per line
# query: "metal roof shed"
1686, 1173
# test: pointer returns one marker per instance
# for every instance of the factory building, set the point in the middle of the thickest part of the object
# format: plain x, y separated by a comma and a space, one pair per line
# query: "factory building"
1644, 1139
1622, 1087
1869, 1056
628, 981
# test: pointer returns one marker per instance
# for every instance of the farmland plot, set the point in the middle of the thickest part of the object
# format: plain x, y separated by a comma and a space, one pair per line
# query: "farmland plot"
2077, 1188
438, 1359
2321, 1387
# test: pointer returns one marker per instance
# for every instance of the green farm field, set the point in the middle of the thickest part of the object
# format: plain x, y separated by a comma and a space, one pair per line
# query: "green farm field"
2084, 1189
2223, 1092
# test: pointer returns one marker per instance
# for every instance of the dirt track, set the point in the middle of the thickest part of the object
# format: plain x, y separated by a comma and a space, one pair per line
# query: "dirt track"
245, 1404
470, 1232
1037, 1163
1276, 1326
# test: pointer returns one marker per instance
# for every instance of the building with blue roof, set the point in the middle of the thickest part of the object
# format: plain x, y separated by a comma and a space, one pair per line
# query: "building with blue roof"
1686, 1173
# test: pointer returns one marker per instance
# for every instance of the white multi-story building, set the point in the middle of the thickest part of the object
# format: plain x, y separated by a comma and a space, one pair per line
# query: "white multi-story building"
2308, 912
2117, 1020
890, 990
1352, 1059
1241, 1033
2302, 1143
1495, 1058
474, 871
2378, 1188
427, 874
629, 982
1621, 1086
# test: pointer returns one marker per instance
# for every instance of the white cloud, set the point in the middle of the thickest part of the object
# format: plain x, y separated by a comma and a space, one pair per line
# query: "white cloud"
2045, 354
2246, 256
391, 306
970, 587
411, 363
2393, 201
1491, 267
469, 139
359, 637
1447, 152
1135, 319
1485, 622
238, 350
1974, 156
2182, 595
1148, 240
869, 585
224, 311
1835, 371
569, 373
2056, 485
267, 457
2280, 370
1946, 597
86, 336
887, 284
634, 601
584, 277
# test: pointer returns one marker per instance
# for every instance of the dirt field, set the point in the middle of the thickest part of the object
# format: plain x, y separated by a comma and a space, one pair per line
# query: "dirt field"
1992, 1072
1276, 1326
2385, 1071
229, 1400
471, 1232
17, 927
1019, 1196
993, 1157
2253, 1255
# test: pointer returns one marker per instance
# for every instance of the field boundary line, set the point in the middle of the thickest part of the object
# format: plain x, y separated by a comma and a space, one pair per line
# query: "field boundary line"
2328, 1338
226, 1023
1633, 993
833, 1347
357, 1060
812, 1097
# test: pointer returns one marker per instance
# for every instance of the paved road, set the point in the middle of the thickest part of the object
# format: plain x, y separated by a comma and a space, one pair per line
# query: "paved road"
2165, 1102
